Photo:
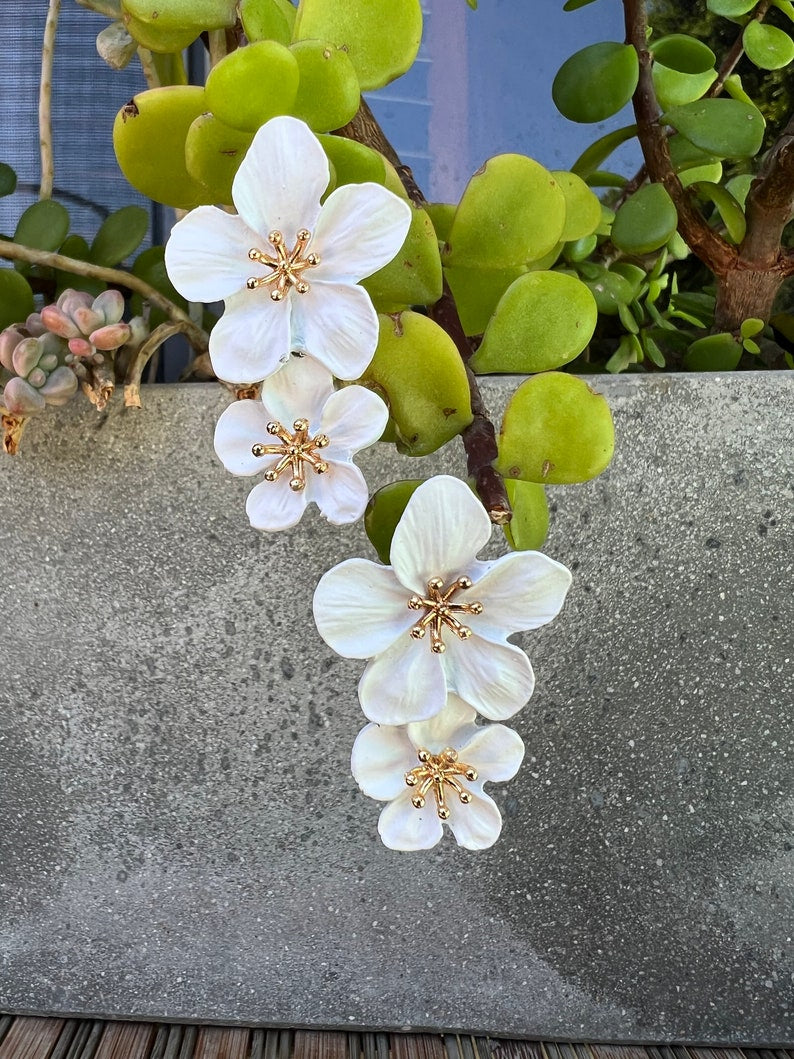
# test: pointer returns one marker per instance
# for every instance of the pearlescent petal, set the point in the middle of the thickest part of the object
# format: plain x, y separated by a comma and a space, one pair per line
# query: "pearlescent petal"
338, 325
206, 256
341, 493
402, 826
495, 751
360, 608
280, 180
241, 426
381, 756
476, 825
443, 527
360, 229
495, 678
274, 506
403, 684
452, 726
523, 590
299, 390
354, 418
251, 339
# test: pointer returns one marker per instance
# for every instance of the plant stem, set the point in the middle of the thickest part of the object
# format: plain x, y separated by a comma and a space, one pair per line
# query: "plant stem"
479, 438
17, 252
148, 68
45, 99
147, 349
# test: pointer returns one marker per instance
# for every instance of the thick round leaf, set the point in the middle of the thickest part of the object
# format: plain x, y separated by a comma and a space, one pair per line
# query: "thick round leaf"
149, 137
414, 276
683, 53
150, 266
512, 211
44, 225
442, 214
75, 246
597, 153
381, 37
731, 8
582, 208
267, 20
384, 511
684, 155
645, 221
529, 525
119, 235
713, 353
767, 46
477, 293
726, 128
596, 82
674, 89
253, 84
157, 38
543, 321
178, 14
16, 298
610, 289
574, 5
8, 180
728, 208
213, 153
328, 91
354, 163
419, 371
555, 431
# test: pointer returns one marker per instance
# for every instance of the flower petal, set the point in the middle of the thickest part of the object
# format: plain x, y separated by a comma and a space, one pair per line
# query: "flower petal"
360, 608
402, 826
251, 339
241, 425
338, 325
206, 256
298, 390
353, 418
381, 756
274, 506
280, 180
341, 493
443, 527
405, 683
360, 229
522, 590
476, 825
495, 751
495, 678
453, 726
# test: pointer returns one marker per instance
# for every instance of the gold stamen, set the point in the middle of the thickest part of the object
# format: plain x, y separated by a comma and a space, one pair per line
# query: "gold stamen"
435, 772
287, 267
439, 612
295, 451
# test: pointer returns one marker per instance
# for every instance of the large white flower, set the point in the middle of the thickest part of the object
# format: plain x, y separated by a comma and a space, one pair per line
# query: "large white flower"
437, 619
302, 436
434, 771
287, 267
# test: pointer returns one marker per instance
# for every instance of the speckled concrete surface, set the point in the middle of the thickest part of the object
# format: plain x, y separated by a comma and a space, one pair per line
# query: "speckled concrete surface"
179, 833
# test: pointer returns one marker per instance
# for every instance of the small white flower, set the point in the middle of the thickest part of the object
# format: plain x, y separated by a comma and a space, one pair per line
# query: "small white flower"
287, 267
434, 771
437, 619
302, 436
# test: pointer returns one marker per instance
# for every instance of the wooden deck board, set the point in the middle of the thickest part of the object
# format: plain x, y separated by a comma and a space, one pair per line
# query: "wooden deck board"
31, 1038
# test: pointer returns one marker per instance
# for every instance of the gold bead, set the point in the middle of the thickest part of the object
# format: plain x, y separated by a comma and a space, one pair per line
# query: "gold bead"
302, 286
321, 467
418, 801
321, 441
301, 425
313, 259
414, 603
273, 428
410, 779
276, 296
435, 583
438, 648
297, 484
275, 237
464, 582
443, 812
258, 450
475, 608
304, 234
464, 632
418, 634
251, 283
270, 476
423, 755
450, 754
471, 774
465, 797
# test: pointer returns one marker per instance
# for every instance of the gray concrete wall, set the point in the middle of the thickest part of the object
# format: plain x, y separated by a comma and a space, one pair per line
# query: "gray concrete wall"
179, 833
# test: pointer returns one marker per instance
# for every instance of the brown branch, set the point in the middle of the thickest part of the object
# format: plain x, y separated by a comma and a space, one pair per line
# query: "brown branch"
711, 248
142, 356
99, 384
770, 205
11, 428
479, 438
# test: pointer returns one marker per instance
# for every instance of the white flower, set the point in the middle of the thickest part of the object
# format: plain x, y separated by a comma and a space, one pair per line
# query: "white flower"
434, 771
301, 436
287, 267
364, 610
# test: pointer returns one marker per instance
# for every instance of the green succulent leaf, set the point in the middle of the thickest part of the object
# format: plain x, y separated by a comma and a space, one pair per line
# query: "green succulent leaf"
382, 37
529, 525
354, 163
683, 53
786, 6
328, 91
149, 137
596, 82
253, 84
556, 430
477, 293
44, 225
674, 89
602, 178
176, 14
267, 20
16, 298
751, 326
574, 5
119, 235
8, 180
728, 208
413, 276
719, 352
726, 128
149, 265
418, 368
731, 8
75, 246
734, 88
512, 211
645, 221
384, 511
442, 214
591, 159
767, 46
543, 320
213, 153
580, 249
609, 288
582, 207
160, 39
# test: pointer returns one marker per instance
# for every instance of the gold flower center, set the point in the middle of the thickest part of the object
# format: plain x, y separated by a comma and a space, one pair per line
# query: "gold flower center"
295, 451
434, 773
287, 266
439, 610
